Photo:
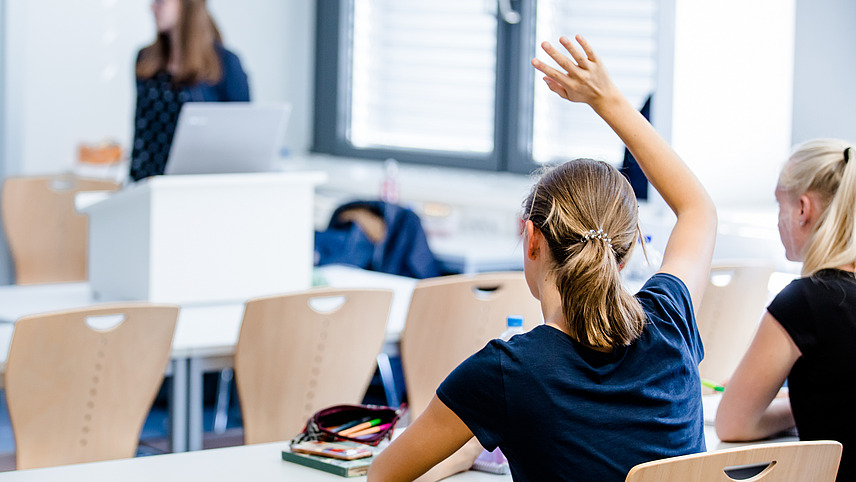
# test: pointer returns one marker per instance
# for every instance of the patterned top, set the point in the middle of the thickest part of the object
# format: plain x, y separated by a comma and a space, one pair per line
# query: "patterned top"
159, 101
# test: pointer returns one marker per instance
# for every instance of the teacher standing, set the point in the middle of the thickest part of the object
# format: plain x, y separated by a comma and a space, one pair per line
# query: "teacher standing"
186, 63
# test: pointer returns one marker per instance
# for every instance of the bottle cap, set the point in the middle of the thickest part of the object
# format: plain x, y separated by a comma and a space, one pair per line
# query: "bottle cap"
515, 320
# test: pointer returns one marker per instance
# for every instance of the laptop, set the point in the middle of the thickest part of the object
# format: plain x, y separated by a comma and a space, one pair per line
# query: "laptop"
227, 137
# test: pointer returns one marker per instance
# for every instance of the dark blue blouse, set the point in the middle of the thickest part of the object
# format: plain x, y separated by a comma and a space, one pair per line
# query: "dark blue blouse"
159, 102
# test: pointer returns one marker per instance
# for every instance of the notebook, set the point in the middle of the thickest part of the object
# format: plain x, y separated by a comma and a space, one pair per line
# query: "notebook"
343, 468
227, 137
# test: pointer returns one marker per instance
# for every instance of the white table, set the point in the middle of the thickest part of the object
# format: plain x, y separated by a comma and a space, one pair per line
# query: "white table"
258, 463
205, 335
471, 253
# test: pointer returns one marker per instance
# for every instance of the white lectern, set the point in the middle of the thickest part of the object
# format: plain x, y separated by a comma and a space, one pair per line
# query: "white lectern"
203, 238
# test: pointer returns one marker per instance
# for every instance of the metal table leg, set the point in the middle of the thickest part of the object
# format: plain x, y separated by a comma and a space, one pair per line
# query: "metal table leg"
194, 404
178, 405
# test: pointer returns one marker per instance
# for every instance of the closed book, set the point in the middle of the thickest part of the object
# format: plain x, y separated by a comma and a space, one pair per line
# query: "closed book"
344, 468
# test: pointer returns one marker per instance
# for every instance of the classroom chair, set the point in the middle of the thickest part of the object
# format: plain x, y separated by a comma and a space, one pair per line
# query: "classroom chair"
729, 314
299, 353
47, 237
452, 317
777, 462
449, 319
79, 386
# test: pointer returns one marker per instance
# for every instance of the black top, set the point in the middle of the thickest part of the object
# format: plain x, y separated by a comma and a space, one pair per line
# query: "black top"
562, 411
159, 102
819, 314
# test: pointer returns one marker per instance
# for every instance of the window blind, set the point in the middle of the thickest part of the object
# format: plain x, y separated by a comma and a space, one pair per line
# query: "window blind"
624, 34
423, 74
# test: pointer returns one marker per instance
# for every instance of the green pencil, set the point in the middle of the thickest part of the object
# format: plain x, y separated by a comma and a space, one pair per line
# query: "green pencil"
710, 384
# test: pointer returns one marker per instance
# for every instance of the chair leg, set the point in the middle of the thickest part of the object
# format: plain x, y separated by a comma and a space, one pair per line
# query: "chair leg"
385, 369
224, 389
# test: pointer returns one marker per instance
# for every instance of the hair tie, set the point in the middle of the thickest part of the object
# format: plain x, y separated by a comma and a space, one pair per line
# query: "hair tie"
599, 234
847, 154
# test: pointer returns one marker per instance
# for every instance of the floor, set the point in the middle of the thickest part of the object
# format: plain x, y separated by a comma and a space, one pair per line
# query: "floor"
154, 438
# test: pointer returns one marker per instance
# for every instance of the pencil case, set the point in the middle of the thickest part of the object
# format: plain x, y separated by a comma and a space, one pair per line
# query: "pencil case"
367, 424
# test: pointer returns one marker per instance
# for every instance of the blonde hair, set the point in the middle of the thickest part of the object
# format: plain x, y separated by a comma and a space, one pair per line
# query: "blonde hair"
588, 215
818, 166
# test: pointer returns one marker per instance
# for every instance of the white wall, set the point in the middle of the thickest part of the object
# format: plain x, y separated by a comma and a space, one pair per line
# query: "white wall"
275, 40
825, 73
69, 70
69, 77
731, 70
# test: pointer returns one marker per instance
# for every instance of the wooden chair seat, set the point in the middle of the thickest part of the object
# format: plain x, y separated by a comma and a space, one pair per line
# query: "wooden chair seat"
47, 237
452, 317
81, 394
729, 314
294, 358
777, 462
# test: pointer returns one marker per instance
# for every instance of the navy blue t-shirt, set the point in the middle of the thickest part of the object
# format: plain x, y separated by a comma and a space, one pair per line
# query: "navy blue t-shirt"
562, 411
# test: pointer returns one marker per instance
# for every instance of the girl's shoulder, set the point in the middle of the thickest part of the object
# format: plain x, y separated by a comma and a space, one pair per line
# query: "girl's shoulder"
227, 57
665, 287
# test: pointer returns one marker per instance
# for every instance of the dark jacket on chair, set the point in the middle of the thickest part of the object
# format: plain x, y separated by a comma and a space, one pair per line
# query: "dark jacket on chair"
403, 250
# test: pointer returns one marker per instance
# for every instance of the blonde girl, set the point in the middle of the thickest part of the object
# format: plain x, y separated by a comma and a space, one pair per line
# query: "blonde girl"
808, 334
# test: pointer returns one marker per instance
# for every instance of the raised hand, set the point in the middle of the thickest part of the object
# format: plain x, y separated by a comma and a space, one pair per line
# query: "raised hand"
584, 79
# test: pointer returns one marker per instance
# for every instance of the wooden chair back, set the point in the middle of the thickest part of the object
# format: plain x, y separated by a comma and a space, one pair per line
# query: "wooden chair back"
784, 462
295, 357
47, 236
729, 315
452, 317
81, 394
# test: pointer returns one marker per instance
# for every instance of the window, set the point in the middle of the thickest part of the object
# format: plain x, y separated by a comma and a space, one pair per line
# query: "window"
422, 79
449, 82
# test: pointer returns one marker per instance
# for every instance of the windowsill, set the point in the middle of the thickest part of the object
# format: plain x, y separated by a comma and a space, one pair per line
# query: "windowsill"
419, 182
480, 205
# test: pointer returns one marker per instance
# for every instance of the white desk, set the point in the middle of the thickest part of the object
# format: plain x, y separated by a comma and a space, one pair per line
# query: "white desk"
260, 462
476, 253
205, 335
257, 463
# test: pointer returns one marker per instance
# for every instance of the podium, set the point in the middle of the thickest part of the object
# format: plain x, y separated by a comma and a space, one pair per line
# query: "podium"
213, 238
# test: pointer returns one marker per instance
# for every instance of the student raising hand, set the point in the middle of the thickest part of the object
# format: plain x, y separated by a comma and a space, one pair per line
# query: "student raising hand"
592, 391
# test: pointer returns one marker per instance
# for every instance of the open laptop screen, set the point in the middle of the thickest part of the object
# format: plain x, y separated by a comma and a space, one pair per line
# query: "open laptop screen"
227, 137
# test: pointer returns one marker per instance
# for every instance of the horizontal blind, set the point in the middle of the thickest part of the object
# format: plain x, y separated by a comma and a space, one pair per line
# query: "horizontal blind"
423, 75
624, 35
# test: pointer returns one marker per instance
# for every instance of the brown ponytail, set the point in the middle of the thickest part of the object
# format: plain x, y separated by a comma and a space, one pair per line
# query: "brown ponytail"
587, 213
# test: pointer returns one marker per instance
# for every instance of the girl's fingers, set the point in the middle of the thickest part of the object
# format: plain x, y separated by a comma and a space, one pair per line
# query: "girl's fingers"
587, 48
560, 59
557, 88
578, 56
546, 69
